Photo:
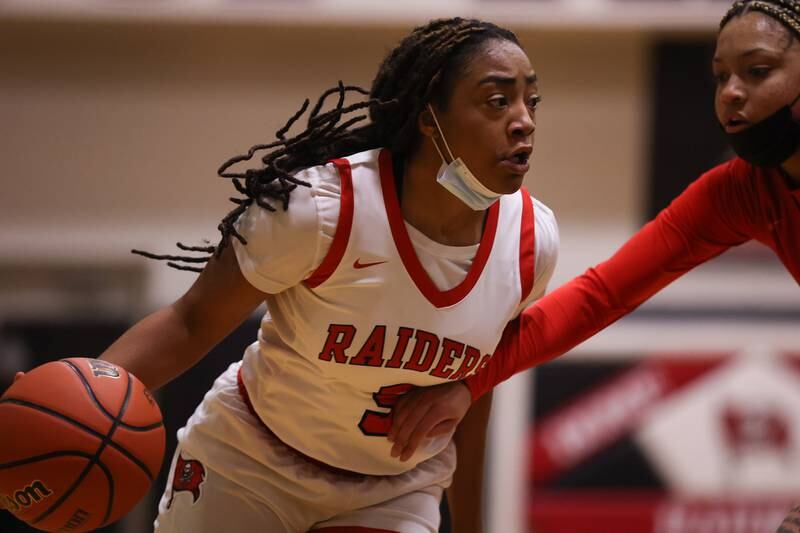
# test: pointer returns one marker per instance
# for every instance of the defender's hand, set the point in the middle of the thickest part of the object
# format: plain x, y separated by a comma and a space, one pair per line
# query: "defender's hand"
427, 412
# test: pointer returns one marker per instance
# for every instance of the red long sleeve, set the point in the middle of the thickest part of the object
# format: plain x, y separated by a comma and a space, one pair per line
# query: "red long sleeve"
714, 213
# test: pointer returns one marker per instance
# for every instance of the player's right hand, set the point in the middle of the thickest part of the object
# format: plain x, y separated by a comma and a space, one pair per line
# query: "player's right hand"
427, 412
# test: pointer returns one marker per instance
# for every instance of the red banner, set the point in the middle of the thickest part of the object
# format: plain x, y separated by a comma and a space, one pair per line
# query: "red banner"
599, 417
612, 511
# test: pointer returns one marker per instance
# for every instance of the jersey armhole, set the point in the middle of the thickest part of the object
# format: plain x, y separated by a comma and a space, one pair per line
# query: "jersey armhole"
343, 226
527, 246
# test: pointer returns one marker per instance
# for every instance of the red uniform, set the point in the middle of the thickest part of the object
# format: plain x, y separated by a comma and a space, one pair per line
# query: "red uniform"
729, 205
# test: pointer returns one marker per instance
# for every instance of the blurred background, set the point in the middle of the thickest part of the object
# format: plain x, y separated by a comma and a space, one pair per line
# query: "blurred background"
115, 115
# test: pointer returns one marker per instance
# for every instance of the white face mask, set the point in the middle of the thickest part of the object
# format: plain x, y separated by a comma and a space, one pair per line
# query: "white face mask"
459, 180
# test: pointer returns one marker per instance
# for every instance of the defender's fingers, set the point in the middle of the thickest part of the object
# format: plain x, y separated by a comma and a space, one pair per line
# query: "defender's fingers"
432, 419
18, 375
404, 407
410, 422
442, 428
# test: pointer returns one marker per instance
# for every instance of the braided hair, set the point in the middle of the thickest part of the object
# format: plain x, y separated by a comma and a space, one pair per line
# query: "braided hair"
422, 68
787, 12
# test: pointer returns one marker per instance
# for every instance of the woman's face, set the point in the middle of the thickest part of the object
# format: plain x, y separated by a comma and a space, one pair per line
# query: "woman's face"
757, 69
491, 115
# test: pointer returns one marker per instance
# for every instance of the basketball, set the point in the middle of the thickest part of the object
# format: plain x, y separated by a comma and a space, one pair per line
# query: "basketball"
82, 441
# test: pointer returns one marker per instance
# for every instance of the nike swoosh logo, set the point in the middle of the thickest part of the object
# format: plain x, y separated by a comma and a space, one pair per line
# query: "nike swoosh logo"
359, 264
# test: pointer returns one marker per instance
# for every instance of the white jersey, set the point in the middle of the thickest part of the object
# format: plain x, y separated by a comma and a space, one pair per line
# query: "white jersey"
337, 349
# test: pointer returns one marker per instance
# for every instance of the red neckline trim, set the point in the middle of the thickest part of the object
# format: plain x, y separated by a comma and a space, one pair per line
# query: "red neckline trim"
406, 249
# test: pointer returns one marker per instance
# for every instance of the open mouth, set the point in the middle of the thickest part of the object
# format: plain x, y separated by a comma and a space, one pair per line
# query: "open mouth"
517, 161
736, 124
520, 158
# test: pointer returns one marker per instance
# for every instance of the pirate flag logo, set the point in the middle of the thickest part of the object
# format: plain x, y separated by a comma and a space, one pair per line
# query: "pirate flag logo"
189, 475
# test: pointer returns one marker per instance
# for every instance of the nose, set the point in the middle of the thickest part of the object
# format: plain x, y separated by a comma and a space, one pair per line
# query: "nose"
523, 121
733, 92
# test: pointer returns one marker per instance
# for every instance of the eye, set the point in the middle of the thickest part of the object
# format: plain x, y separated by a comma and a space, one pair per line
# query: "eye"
759, 72
498, 101
533, 101
721, 77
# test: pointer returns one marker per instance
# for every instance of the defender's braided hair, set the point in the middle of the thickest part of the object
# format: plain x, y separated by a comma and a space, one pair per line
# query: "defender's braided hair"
787, 12
421, 69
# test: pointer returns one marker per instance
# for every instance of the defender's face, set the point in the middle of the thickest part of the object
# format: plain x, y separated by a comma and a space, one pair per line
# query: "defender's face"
757, 70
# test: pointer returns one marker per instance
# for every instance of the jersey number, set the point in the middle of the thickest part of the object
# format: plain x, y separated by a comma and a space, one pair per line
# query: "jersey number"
376, 423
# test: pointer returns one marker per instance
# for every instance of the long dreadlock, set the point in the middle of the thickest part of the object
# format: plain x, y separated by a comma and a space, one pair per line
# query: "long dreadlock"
421, 69
787, 12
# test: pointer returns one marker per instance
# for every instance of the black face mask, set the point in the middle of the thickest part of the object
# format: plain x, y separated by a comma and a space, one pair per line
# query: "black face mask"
770, 142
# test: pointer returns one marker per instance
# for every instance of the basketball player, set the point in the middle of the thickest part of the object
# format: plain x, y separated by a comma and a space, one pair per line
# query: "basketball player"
754, 196
397, 264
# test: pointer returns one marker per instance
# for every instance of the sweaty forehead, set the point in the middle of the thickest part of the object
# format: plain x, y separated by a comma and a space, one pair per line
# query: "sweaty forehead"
498, 57
753, 30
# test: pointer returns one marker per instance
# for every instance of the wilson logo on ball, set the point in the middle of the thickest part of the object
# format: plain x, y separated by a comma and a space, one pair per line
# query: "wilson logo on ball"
189, 475
25, 497
103, 369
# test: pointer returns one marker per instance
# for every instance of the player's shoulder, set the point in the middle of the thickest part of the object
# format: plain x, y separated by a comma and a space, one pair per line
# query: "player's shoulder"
318, 175
542, 214
365, 158
733, 174
547, 234
731, 190
542, 211
313, 203
546, 230
327, 176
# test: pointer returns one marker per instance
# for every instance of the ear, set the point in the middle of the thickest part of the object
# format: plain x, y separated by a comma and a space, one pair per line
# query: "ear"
425, 124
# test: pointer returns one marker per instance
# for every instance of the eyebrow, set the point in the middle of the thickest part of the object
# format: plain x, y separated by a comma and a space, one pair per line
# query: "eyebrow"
507, 80
748, 53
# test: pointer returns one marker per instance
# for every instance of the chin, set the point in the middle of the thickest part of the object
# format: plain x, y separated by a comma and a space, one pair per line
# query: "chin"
511, 183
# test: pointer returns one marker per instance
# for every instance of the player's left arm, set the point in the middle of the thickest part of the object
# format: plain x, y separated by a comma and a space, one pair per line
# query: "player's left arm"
464, 495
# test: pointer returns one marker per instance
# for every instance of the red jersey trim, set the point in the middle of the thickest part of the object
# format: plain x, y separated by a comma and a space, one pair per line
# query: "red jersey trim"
406, 249
343, 227
527, 243
473, 388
